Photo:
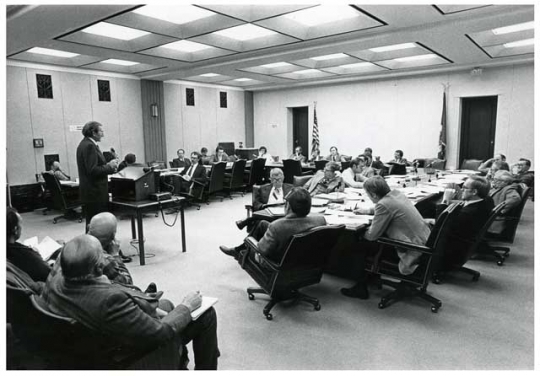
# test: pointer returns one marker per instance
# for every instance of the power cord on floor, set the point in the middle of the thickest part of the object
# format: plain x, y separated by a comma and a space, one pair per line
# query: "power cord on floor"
132, 243
176, 200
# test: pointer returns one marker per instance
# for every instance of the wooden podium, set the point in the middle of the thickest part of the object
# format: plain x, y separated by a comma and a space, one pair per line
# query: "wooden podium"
132, 184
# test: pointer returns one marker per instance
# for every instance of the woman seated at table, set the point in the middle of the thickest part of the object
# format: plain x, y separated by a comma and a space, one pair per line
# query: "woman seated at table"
297, 155
396, 217
326, 181
263, 153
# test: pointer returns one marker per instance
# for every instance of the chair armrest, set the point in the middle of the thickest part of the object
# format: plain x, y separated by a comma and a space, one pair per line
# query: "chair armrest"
252, 245
249, 209
403, 244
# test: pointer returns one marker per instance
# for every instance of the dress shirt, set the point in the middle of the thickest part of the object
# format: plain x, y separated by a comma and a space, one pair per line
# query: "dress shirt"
276, 196
349, 177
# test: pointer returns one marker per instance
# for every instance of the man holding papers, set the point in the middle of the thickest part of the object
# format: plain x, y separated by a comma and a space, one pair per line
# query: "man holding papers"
193, 173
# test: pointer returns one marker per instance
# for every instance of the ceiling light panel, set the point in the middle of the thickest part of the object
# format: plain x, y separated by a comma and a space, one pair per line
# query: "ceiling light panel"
390, 52
114, 31
47, 51
305, 74
186, 46
513, 28
415, 58
519, 43
417, 61
394, 47
245, 32
355, 68
119, 62
209, 75
272, 68
324, 61
177, 14
329, 57
276, 65
321, 21
508, 40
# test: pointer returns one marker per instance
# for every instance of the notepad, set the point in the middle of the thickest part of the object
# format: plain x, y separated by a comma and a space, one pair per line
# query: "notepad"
276, 210
207, 302
45, 249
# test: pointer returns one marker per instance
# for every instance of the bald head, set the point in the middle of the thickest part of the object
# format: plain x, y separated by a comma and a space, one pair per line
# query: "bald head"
81, 258
55, 166
103, 227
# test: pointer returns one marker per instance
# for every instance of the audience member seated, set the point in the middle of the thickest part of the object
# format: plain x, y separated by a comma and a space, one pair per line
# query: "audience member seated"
357, 173
103, 227
504, 189
521, 172
315, 155
396, 217
297, 155
368, 153
486, 165
80, 290
23, 257
326, 181
268, 195
334, 155
274, 237
263, 153
205, 158
220, 156
181, 161
471, 218
496, 166
195, 172
57, 171
441, 154
398, 158
129, 159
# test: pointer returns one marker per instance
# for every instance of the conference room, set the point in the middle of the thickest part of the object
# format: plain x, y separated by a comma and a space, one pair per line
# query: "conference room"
190, 110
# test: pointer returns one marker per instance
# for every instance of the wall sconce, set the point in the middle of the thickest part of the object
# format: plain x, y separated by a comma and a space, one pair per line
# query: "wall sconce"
154, 110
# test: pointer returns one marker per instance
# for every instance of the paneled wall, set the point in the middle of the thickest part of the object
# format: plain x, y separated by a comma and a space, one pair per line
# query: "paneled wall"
153, 123
75, 101
205, 124
401, 113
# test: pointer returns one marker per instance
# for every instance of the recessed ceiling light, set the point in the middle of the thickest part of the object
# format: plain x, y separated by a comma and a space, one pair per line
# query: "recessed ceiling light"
243, 79
209, 75
245, 32
322, 14
307, 71
513, 28
177, 14
276, 65
119, 62
186, 46
364, 64
47, 51
417, 57
393, 47
519, 43
114, 31
329, 57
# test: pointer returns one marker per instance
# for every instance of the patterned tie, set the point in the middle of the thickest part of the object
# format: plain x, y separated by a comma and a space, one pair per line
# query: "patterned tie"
276, 192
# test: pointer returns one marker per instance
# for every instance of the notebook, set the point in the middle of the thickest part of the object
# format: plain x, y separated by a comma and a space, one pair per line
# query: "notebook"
207, 302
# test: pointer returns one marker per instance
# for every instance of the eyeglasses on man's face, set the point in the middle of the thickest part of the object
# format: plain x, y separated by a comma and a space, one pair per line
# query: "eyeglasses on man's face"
276, 178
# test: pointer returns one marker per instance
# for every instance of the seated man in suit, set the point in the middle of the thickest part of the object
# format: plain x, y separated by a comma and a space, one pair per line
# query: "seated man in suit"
334, 155
297, 155
504, 189
268, 195
468, 223
78, 289
522, 173
56, 169
23, 257
496, 166
181, 161
486, 165
274, 237
326, 181
396, 217
220, 156
398, 158
196, 172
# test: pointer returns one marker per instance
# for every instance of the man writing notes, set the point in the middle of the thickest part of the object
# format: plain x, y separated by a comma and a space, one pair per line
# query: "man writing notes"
78, 289
93, 171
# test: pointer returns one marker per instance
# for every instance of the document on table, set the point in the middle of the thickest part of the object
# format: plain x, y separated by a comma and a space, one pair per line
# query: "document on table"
351, 222
46, 248
276, 210
334, 196
207, 302
318, 202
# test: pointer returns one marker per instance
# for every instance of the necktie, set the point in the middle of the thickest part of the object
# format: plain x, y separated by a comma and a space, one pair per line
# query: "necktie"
276, 192
190, 170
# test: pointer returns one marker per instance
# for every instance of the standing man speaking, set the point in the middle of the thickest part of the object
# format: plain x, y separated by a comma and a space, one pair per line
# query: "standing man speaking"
93, 171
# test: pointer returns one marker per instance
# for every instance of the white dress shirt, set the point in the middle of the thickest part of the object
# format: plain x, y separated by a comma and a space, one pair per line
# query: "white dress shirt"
276, 196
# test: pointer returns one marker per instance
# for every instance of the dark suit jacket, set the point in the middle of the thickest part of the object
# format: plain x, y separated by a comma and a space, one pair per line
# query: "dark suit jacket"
280, 232
199, 175
115, 311
177, 163
464, 229
260, 198
93, 171
28, 260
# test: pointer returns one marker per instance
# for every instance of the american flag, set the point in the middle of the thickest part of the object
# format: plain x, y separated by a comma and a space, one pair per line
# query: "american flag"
315, 139
442, 135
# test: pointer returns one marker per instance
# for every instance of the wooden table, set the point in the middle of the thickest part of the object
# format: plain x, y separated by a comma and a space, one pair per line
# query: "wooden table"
136, 209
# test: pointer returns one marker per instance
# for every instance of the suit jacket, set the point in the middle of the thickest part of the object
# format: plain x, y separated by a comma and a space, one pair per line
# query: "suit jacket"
336, 185
113, 310
511, 195
397, 217
28, 260
200, 176
332, 158
214, 158
177, 163
464, 229
260, 198
93, 171
301, 157
525, 177
280, 232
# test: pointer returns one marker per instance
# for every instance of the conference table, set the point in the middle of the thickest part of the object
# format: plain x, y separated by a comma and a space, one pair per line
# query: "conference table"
136, 209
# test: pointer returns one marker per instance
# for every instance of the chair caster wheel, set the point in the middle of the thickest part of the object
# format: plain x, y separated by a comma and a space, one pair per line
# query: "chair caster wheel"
80, 220
500, 262
251, 297
157, 215
434, 309
269, 316
436, 281
54, 221
317, 307
382, 305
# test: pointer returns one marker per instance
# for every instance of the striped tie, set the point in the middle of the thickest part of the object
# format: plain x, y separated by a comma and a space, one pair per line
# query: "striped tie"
275, 194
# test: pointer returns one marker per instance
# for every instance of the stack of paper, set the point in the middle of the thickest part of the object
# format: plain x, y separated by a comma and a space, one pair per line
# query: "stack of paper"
334, 196
207, 302
318, 202
46, 248
276, 210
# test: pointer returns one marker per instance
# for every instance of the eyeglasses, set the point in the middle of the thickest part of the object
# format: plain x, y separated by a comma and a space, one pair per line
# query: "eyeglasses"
276, 179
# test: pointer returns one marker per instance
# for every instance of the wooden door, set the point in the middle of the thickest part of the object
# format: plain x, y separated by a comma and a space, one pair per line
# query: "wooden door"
300, 129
